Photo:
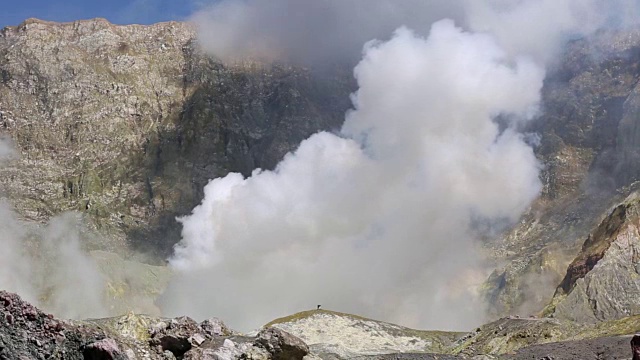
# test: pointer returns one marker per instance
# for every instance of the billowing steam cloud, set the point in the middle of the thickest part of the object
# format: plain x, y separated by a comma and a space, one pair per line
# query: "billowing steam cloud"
45, 265
317, 32
375, 220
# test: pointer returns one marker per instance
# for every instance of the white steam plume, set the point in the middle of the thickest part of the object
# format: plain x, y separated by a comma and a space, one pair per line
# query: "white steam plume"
48, 268
45, 265
15, 273
375, 220
321, 31
71, 279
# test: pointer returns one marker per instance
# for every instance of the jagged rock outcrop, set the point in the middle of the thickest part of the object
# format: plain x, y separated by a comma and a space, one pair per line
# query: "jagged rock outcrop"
28, 333
602, 283
128, 123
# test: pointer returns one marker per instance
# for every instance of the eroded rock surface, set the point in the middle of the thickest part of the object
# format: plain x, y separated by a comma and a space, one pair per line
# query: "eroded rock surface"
602, 283
28, 333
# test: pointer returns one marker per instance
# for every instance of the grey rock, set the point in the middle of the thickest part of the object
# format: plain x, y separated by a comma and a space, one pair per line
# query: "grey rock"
281, 345
602, 283
609, 348
215, 327
197, 339
168, 355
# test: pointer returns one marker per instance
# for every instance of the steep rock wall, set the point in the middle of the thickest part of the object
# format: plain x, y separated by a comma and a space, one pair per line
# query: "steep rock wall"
128, 123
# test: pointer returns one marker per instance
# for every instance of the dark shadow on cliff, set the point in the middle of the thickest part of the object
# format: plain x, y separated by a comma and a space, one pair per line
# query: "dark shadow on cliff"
234, 119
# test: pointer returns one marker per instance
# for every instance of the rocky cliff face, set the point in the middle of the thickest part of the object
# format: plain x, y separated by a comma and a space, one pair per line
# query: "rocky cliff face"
589, 157
128, 123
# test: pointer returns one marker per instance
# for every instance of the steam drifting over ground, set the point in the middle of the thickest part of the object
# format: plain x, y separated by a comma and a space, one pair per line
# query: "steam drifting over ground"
374, 220
46, 265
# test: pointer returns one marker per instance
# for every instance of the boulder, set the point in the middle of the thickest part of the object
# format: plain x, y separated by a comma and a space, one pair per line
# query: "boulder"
228, 350
105, 349
175, 336
28, 333
281, 345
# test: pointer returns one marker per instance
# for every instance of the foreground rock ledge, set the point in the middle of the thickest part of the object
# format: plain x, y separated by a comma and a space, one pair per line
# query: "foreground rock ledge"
28, 333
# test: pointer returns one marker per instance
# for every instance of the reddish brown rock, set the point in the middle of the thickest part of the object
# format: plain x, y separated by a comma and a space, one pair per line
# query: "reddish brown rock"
105, 349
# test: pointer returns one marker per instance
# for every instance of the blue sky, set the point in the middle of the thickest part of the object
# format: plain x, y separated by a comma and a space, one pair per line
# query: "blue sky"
14, 12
